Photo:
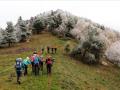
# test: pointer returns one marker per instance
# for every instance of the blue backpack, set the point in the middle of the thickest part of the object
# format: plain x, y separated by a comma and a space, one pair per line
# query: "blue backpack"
18, 63
36, 60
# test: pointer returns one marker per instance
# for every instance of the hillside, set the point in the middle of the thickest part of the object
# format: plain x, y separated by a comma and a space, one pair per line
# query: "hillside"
95, 41
68, 74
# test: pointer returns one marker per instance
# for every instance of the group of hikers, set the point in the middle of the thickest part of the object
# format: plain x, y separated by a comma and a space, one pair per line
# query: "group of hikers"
36, 60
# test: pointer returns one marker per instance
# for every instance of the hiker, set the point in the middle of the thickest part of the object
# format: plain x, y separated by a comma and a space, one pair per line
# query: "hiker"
48, 49
49, 64
35, 52
55, 49
25, 64
32, 62
18, 67
52, 50
36, 64
42, 50
41, 62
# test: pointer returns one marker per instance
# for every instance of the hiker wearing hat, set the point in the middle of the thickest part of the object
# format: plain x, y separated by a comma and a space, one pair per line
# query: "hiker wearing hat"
25, 64
18, 67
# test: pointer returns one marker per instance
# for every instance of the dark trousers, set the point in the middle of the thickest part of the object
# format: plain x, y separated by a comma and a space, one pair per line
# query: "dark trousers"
32, 67
41, 66
36, 66
18, 76
48, 50
25, 70
49, 68
55, 50
52, 49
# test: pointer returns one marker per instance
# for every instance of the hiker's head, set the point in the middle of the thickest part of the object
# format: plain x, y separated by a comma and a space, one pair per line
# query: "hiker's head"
35, 52
27, 58
18, 59
49, 56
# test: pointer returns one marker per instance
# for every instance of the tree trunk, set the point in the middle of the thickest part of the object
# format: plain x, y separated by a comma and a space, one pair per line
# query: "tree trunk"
9, 44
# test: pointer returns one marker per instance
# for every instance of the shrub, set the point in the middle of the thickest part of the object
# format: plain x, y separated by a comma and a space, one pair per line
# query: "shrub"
76, 52
67, 48
89, 58
91, 49
113, 53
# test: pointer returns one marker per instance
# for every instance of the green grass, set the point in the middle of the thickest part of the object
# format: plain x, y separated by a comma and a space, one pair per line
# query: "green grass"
68, 74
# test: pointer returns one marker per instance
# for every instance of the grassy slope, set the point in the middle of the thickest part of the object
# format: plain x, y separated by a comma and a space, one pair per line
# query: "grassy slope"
68, 74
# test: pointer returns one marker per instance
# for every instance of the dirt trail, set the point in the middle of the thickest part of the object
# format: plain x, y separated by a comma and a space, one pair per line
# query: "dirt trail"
49, 82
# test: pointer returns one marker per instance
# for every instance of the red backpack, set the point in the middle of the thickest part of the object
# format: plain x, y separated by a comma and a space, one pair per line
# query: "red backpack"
49, 61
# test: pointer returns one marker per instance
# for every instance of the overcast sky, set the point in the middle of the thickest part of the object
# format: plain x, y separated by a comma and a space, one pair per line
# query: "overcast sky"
103, 12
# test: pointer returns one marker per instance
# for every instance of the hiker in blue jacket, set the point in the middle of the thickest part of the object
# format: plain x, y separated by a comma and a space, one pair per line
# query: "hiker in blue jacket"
25, 64
18, 67
36, 64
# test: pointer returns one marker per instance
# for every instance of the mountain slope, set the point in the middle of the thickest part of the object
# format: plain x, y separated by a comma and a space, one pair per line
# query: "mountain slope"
68, 74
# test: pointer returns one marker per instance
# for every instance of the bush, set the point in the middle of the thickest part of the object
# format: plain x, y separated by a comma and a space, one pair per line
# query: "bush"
76, 52
113, 53
89, 58
67, 48
91, 49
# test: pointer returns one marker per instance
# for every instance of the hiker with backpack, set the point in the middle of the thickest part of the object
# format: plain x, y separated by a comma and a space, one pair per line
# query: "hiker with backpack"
41, 62
25, 64
36, 64
49, 64
18, 67
32, 62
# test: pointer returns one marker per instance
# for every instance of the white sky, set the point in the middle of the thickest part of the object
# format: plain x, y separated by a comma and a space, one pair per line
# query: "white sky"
103, 12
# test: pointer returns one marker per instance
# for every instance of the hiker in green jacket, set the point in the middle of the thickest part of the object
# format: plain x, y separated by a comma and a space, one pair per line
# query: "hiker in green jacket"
25, 64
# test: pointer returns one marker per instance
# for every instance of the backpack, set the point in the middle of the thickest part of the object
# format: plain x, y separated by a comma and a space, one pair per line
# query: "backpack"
32, 58
49, 61
36, 60
18, 63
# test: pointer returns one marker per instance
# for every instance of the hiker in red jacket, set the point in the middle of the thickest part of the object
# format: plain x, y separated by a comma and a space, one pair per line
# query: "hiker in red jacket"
49, 64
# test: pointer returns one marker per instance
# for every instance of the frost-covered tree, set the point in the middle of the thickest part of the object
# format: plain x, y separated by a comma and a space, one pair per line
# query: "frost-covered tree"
10, 35
91, 50
54, 21
113, 53
23, 29
23, 32
39, 26
1, 37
